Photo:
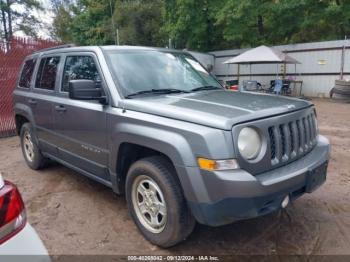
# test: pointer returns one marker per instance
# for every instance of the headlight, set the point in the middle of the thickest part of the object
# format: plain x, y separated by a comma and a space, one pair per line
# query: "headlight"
249, 143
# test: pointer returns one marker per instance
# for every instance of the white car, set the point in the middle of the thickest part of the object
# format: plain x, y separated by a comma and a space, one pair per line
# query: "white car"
18, 240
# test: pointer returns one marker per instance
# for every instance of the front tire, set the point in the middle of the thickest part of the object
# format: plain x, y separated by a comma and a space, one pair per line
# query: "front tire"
156, 202
31, 152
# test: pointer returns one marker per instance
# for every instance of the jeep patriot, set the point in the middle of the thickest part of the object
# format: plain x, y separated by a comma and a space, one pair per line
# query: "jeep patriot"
154, 125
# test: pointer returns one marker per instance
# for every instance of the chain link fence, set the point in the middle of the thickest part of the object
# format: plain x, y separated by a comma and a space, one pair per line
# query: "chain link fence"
12, 55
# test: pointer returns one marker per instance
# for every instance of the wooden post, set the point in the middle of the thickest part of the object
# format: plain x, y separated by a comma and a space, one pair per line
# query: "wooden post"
342, 60
250, 71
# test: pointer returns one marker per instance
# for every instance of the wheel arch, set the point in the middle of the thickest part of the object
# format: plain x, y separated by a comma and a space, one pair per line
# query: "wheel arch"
23, 114
131, 146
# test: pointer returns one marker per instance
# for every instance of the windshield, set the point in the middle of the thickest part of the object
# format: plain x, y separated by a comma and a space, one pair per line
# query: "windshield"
139, 71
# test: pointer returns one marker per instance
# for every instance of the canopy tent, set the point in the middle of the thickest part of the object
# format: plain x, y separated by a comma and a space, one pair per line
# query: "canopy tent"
262, 55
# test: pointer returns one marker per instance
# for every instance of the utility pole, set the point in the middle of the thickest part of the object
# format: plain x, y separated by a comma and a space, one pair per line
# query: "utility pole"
113, 24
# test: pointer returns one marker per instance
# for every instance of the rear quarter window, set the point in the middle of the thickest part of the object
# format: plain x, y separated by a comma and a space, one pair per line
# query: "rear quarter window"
27, 73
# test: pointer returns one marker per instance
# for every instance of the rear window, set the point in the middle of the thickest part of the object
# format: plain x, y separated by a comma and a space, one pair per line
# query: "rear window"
46, 77
27, 73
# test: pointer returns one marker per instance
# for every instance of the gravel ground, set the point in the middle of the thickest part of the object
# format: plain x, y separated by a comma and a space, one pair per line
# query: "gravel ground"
74, 215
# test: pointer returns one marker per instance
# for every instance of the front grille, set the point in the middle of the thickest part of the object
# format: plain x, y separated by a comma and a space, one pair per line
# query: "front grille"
292, 139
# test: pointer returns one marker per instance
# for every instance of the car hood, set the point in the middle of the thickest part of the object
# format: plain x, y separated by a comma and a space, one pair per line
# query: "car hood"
215, 108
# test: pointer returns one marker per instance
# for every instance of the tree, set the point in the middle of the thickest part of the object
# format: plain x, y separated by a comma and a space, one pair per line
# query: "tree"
63, 20
84, 22
89, 22
201, 24
139, 22
191, 23
245, 23
13, 20
253, 22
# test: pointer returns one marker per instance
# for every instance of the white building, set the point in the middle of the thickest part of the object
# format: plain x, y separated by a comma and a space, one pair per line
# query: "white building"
320, 66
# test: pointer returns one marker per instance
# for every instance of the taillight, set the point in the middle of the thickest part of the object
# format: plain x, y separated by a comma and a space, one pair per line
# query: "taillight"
234, 87
12, 211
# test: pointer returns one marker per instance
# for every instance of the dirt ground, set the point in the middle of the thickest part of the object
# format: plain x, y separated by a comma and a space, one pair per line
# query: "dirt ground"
74, 215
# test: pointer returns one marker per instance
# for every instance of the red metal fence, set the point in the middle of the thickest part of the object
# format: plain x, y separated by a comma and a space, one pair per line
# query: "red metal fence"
12, 55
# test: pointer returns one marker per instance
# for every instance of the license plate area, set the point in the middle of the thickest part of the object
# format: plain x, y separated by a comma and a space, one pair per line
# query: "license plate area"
316, 177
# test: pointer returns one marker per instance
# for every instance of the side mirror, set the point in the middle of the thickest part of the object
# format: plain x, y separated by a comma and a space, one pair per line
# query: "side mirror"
86, 90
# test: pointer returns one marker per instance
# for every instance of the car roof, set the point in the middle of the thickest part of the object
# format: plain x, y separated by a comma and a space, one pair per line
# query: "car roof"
72, 48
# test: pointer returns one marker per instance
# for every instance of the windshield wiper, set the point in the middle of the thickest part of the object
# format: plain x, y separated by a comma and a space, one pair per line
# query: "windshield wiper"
201, 88
157, 91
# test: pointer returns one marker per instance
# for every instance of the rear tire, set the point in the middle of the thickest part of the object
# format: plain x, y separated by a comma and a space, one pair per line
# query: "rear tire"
31, 152
156, 202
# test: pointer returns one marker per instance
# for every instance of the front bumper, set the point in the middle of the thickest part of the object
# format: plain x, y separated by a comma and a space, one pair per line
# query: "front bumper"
226, 196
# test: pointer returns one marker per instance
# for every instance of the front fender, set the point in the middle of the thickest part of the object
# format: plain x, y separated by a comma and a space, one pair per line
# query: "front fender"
181, 141
170, 144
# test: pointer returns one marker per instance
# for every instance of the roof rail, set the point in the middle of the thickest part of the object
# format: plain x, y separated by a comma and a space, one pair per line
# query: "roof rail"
55, 47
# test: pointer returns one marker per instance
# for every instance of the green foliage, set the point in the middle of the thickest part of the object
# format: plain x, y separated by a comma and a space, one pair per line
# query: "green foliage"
61, 26
139, 22
201, 24
271, 22
84, 22
315, 20
191, 23
244, 21
90, 23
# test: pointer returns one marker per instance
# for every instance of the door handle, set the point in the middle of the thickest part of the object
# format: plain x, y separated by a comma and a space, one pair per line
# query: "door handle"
60, 108
32, 101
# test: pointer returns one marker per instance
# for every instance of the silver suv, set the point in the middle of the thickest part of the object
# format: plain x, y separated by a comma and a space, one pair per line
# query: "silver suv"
154, 125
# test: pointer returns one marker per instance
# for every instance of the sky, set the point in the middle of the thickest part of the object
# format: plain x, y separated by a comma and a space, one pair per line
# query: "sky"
45, 17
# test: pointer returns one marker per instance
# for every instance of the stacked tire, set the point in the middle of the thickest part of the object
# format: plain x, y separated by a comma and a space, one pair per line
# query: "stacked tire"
341, 90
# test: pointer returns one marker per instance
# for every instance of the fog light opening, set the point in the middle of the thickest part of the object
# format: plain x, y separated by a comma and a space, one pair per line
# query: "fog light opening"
285, 202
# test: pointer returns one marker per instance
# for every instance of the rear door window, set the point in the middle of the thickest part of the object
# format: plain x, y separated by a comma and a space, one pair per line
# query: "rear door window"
27, 73
46, 77
79, 67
